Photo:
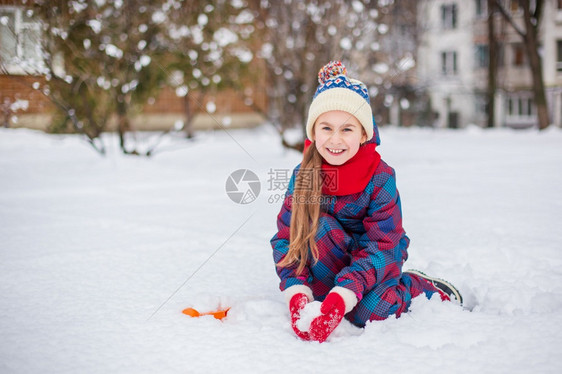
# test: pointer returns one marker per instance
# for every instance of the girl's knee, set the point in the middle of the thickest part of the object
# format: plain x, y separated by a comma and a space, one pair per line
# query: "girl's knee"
377, 306
371, 309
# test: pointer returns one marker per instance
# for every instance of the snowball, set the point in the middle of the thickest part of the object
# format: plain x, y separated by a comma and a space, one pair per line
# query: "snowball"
307, 315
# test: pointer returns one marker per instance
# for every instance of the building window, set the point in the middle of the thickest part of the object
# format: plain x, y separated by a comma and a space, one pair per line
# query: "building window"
453, 120
559, 55
500, 54
482, 8
482, 56
530, 107
20, 41
521, 111
449, 63
518, 54
520, 106
449, 16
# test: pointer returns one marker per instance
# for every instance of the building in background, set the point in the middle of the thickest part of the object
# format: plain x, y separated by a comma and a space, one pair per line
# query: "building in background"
453, 57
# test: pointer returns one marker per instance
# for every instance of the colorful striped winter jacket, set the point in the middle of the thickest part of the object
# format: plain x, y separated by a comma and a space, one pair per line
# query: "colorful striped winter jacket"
373, 220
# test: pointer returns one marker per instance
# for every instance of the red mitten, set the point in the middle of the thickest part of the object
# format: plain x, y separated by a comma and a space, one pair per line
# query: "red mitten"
297, 303
333, 310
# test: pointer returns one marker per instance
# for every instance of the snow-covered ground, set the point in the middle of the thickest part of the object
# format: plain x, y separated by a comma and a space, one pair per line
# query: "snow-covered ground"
99, 256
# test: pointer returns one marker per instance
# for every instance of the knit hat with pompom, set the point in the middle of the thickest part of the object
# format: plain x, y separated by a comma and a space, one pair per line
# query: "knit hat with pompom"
338, 92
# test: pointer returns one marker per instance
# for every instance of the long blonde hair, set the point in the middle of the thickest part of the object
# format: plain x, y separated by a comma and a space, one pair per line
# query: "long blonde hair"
305, 214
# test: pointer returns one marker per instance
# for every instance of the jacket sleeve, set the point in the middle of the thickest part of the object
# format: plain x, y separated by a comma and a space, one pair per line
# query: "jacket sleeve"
382, 249
280, 243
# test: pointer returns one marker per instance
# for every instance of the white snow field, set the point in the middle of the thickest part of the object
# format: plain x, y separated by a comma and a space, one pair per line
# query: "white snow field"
99, 256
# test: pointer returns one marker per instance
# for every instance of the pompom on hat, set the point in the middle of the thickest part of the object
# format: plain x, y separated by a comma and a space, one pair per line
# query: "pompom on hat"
338, 92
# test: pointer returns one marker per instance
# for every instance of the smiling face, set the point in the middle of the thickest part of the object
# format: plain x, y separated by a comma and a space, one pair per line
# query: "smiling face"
338, 136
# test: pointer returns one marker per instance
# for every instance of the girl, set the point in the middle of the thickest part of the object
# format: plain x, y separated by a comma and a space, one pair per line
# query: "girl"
340, 238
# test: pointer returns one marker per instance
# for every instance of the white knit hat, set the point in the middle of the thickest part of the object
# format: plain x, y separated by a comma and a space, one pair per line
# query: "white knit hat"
338, 92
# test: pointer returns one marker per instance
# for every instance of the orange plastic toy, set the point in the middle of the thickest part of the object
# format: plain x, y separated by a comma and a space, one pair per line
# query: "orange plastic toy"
218, 314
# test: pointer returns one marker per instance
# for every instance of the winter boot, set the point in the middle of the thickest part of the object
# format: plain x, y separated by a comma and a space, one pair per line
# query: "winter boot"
446, 289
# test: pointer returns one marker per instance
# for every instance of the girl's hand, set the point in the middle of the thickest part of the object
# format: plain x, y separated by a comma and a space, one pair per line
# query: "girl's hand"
296, 305
333, 310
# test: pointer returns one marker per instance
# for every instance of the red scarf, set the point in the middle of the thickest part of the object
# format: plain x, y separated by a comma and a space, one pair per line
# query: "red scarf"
354, 175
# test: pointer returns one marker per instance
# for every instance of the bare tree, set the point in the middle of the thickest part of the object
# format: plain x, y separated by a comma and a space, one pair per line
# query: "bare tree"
103, 61
492, 63
298, 38
532, 13
207, 42
47, 70
99, 61
392, 62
